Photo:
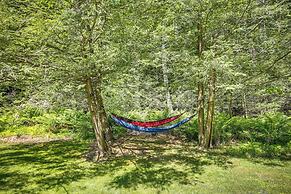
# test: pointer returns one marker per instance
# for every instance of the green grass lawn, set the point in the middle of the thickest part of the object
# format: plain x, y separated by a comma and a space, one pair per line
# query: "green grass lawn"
154, 165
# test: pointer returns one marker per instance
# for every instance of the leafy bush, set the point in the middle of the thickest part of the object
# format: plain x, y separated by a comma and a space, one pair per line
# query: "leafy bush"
272, 128
31, 111
157, 115
32, 121
5, 120
79, 123
189, 130
219, 135
118, 131
36, 130
74, 121
257, 149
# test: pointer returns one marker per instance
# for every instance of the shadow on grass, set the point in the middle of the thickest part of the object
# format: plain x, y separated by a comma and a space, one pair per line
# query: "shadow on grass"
165, 163
30, 168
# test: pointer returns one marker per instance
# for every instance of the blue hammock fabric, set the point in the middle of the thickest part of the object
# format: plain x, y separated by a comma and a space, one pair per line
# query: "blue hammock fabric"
149, 129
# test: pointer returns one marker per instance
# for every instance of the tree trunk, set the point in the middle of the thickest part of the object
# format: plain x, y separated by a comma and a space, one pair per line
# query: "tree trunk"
230, 105
200, 112
96, 117
166, 84
210, 109
200, 105
93, 90
166, 80
101, 110
137, 95
244, 103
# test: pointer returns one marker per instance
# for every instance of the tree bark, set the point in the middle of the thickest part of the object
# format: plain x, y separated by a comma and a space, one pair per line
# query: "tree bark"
93, 86
96, 118
230, 105
200, 112
244, 103
210, 109
166, 84
166, 79
101, 110
200, 105
137, 95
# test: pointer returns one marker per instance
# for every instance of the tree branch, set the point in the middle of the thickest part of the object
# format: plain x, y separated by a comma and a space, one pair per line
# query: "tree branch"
270, 67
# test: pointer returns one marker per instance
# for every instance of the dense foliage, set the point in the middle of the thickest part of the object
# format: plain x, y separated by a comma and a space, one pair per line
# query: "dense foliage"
62, 61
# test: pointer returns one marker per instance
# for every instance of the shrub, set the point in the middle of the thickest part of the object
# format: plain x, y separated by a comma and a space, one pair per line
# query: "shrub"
257, 149
272, 128
32, 121
31, 111
219, 135
79, 123
189, 130
70, 121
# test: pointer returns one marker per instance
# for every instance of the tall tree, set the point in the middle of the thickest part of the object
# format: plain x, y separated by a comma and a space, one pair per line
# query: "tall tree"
81, 38
200, 107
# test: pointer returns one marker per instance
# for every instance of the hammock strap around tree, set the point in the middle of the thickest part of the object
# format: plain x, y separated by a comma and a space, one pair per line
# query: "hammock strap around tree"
149, 123
149, 129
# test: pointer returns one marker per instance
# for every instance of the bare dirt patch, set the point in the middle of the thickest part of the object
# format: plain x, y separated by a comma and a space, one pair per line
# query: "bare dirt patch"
30, 139
137, 145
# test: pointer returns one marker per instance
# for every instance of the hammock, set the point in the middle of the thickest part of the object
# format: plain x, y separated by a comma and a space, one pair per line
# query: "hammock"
149, 123
149, 129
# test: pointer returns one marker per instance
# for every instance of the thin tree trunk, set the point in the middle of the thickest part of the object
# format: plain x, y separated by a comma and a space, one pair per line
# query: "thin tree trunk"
200, 112
166, 80
244, 103
97, 121
166, 84
200, 106
230, 105
137, 96
210, 109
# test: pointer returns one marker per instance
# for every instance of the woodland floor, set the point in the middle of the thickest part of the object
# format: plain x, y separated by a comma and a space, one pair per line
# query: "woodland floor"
141, 164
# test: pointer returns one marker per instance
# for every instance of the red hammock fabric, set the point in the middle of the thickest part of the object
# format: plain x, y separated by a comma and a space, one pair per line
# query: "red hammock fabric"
149, 123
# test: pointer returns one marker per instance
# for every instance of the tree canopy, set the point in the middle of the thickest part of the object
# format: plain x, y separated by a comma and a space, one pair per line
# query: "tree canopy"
122, 55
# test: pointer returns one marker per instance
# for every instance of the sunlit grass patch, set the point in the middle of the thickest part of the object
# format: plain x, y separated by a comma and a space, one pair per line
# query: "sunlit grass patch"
60, 167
